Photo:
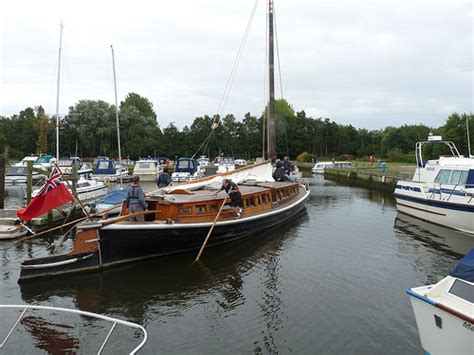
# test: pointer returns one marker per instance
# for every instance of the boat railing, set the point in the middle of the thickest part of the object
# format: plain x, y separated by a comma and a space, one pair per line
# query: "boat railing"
114, 321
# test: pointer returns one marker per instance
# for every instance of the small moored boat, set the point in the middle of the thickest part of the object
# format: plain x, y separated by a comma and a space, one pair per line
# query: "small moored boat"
147, 169
444, 311
187, 169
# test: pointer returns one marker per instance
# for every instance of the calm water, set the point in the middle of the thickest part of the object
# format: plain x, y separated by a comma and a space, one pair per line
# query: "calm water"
331, 282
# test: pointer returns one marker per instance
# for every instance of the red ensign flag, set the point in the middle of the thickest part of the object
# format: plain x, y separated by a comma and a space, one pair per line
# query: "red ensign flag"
53, 194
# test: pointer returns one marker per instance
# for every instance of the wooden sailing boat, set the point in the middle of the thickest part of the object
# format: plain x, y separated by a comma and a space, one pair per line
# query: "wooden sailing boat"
179, 218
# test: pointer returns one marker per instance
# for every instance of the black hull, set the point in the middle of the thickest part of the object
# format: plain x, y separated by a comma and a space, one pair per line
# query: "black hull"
59, 265
119, 246
122, 245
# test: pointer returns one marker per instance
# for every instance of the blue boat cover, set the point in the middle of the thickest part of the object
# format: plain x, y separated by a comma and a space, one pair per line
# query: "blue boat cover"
104, 167
113, 198
186, 165
465, 268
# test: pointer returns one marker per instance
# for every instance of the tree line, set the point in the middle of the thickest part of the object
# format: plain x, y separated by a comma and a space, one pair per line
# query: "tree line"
89, 130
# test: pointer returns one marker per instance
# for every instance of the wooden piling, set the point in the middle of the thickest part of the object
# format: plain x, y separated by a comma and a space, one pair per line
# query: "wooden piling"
29, 181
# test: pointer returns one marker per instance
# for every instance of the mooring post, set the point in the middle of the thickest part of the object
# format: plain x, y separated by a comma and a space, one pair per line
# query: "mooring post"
2, 182
74, 178
29, 181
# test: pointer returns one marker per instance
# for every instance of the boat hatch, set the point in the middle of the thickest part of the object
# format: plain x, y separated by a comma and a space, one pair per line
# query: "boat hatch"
463, 290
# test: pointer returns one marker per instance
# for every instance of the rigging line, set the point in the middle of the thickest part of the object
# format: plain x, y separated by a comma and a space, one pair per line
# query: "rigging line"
278, 52
265, 72
205, 142
241, 52
237, 59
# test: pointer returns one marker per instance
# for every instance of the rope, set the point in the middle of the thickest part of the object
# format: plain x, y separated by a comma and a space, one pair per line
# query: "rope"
230, 79
265, 87
237, 59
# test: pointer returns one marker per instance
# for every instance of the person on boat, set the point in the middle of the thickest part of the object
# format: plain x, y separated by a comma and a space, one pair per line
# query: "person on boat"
279, 174
287, 166
164, 179
135, 200
233, 191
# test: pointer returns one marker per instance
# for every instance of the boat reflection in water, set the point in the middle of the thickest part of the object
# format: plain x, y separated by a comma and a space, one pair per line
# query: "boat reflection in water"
449, 241
171, 286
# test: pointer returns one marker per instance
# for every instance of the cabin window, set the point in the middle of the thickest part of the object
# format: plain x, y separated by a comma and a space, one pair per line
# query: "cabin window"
259, 200
463, 290
103, 165
186, 210
213, 208
200, 209
251, 201
458, 177
452, 177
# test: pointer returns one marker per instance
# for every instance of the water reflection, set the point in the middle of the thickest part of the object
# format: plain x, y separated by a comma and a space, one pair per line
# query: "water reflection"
173, 282
435, 249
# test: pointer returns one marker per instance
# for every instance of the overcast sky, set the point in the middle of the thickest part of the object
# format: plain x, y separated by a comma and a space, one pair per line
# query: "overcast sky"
370, 64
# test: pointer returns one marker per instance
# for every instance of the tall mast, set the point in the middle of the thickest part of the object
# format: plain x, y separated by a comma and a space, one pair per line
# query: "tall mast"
271, 75
57, 92
117, 115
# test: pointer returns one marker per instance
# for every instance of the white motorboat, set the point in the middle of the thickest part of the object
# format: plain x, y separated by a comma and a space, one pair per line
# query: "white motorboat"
147, 169
108, 170
18, 175
224, 164
66, 166
444, 311
240, 162
12, 230
318, 168
203, 161
187, 169
86, 189
441, 191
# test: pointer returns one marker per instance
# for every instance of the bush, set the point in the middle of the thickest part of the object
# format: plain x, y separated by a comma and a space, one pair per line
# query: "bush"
305, 157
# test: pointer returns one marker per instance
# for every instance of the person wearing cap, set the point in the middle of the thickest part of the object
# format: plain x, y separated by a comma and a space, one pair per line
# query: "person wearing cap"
135, 200
164, 179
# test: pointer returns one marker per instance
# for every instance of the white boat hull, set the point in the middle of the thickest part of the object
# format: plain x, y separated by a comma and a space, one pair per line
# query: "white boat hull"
455, 336
12, 231
456, 212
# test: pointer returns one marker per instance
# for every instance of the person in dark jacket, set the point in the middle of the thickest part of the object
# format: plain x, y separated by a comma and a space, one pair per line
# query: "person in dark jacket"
287, 166
135, 200
279, 173
164, 179
233, 191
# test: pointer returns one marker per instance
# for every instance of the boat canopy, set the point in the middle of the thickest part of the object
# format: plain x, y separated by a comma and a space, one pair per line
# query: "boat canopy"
104, 167
114, 198
44, 159
186, 165
465, 268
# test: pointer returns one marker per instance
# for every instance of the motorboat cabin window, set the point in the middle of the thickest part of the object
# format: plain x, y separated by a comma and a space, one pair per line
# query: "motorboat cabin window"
103, 165
213, 208
66, 162
451, 177
463, 289
43, 159
17, 170
184, 164
458, 177
144, 165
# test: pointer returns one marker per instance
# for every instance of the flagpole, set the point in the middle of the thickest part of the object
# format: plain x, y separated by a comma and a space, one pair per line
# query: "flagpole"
73, 192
